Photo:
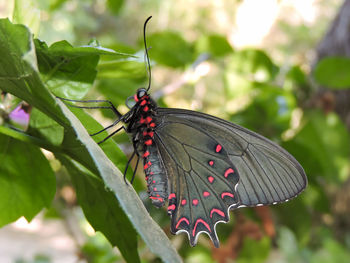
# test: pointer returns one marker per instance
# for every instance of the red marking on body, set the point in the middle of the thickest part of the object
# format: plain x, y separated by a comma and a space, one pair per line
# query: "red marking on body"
144, 133
151, 173
156, 198
148, 119
218, 148
145, 109
143, 102
226, 194
228, 172
211, 179
147, 165
148, 142
142, 120
200, 221
146, 154
215, 210
195, 201
146, 178
211, 163
171, 207
155, 189
157, 195
183, 202
206, 194
151, 134
136, 98
172, 195
181, 220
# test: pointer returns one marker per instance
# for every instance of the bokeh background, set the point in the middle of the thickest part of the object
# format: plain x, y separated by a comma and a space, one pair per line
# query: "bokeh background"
255, 63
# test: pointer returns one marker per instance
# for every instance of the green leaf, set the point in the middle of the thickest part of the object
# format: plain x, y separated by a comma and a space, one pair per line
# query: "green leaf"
27, 12
324, 137
253, 64
333, 72
170, 49
18, 70
216, 45
115, 6
42, 126
332, 251
103, 211
122, 69
27, 182
69, 71
254, 251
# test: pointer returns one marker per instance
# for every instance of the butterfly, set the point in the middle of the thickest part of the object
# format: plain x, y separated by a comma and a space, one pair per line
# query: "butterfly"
203, 166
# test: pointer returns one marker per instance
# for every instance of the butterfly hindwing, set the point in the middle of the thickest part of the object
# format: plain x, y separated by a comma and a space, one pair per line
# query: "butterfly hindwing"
202, 179
216, 165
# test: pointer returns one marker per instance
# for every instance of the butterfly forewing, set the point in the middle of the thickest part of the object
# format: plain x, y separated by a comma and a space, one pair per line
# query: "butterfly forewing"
215, 165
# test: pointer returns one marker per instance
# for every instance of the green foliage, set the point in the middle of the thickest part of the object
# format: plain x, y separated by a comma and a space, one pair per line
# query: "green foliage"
261, 250
216, 45
170, 49
19, 76
333, 72
27, 182
246, 86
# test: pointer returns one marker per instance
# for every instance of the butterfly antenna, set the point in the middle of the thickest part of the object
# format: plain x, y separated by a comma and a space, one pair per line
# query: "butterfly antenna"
146, 51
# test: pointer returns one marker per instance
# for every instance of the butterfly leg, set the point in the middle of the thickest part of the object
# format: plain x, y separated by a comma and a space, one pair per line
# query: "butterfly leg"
111, 106
106, 128
112, 134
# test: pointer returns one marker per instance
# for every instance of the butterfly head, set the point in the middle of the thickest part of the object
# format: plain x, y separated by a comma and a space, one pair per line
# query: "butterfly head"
140, 94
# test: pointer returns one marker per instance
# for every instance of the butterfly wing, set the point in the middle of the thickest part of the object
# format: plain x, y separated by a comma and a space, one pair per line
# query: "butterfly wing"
214, 166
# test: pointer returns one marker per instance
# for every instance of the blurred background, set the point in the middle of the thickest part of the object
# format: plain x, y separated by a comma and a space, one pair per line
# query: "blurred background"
259, 64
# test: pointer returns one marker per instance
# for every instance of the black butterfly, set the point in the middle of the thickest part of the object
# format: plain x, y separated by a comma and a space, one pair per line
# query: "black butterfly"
204, 166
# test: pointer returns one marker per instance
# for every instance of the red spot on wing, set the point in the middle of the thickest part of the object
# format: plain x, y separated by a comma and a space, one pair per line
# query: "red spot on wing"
199, 220
148, 142
218, 148
171, 207
211, 179
183, 202
195, 201
228, 172
181, 220
146, 154
211, 163
215, 210
226, 194
172, 195
206, 194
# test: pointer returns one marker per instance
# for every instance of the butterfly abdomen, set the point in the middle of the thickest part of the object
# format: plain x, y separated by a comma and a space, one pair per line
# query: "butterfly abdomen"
157, 182
143, 132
